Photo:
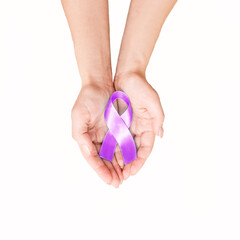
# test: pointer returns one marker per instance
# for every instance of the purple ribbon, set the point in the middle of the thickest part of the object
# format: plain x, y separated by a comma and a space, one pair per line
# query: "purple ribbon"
118, 132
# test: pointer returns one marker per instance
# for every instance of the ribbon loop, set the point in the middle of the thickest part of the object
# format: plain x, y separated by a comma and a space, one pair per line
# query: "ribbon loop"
118, 132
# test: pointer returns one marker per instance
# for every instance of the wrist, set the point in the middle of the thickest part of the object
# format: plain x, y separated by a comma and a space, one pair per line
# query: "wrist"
121, 78
101, 81
94, 69
131, 60
129, 69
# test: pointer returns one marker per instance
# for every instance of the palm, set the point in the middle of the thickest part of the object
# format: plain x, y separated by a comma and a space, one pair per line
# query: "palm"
94, 109
89, 129
147, 119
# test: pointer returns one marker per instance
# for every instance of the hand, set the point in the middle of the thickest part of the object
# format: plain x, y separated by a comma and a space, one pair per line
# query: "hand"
147, 120
89, 129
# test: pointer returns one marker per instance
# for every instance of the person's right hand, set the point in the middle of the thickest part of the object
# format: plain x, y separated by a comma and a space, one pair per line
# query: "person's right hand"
147, 119
89, 129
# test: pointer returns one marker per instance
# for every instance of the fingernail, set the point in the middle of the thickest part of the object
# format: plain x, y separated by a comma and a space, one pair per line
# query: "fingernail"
122, 178
86, 150
115, 184
121, 163
125, 175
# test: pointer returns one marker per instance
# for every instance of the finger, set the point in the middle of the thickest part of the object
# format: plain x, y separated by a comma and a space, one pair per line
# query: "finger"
137, 140
144, 150
88, 150
119, 157
117, 169
90, 154
161, 132
127, 170
113, 168
115, 178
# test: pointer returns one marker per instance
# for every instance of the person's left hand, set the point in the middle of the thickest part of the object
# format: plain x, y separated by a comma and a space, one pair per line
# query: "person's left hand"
89, 129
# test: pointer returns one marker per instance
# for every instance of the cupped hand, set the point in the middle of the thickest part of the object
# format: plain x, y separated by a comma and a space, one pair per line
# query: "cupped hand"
89, 129
148, 117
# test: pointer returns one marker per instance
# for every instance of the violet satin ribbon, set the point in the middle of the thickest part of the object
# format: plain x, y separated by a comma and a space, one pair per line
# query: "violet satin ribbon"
118, 132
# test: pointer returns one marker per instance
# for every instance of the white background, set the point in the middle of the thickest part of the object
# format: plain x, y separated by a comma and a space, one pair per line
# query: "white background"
189, 186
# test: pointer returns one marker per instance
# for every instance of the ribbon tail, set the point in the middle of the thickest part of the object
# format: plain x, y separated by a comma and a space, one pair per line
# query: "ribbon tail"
108, 147
128, 150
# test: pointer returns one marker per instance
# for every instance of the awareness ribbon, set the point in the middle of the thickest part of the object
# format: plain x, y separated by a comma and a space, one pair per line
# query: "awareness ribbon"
118, 132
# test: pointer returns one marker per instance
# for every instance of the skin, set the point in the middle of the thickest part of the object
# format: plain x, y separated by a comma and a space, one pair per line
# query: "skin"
147, 120
144, 22
89, 129
89, 24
